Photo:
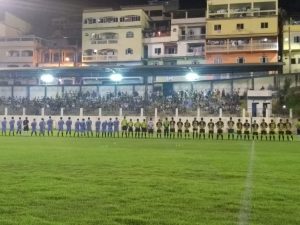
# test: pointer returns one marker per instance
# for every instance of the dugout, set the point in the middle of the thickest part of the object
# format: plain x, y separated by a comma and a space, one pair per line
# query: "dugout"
259, 103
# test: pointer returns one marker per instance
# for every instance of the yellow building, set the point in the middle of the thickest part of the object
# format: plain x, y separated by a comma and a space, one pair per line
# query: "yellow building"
291, 48
242, 31
113, 36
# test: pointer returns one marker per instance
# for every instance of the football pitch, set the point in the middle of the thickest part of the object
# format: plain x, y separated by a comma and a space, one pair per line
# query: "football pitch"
89, 181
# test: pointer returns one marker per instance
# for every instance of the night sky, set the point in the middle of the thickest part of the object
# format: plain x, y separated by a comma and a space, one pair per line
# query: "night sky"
55, 6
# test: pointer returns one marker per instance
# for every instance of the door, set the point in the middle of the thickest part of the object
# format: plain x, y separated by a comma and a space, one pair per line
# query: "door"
168, 89
265, 108
254, 109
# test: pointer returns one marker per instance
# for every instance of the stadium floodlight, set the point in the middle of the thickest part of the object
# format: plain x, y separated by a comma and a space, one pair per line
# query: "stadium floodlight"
47, 78
116, 77
192, 76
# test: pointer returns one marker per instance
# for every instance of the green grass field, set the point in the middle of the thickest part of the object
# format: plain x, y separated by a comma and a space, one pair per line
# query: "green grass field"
70, 181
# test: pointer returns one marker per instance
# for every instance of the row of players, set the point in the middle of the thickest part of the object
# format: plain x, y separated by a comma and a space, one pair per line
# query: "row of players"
140, 129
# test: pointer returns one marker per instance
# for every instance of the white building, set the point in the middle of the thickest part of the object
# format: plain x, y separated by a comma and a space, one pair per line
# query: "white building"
113, 36
12, 26
183, 42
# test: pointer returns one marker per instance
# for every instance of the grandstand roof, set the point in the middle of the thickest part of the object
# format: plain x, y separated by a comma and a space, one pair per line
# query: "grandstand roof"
144, 71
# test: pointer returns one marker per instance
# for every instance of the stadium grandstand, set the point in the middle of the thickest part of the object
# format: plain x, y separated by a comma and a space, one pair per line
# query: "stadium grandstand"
185, 88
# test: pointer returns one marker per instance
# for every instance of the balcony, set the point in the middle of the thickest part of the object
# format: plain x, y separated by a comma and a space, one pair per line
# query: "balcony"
104, 42
191, 37
100, 58
251, 47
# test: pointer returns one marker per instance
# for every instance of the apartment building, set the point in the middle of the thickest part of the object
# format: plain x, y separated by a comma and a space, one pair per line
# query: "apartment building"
241, 31
113, 36
291, 47
180, 40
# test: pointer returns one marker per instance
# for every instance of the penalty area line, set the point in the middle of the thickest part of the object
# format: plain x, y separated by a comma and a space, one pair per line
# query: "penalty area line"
245, 209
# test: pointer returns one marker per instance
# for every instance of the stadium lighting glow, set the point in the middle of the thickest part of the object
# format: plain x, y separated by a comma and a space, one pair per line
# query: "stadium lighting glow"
192, 76
116, 77
47, 78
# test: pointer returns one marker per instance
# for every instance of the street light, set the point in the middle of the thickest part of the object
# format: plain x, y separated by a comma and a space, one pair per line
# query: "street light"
47, 78
116, 77
191, 76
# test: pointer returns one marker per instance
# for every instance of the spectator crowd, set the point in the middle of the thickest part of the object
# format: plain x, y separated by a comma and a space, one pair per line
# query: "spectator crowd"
186, 101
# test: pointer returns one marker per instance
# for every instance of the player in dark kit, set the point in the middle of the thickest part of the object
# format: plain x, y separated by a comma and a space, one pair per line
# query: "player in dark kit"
288, 130
26, 125
187, 126
130, 128
247, 130
172, 128
255, 128
179, 128
144, 128
220, 126
195, 125
202, 125
263, 128
239, 131
211, 127
230, 125
137, 128
281, 127
272, 127
159, 126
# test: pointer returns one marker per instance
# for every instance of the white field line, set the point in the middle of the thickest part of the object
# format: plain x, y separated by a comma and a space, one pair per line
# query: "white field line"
245, 209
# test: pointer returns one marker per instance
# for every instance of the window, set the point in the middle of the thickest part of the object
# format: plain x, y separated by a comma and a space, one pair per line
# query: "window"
129, 34
264, 25
89, 21
293, 61
88, 52
13, 53
171, 50
130, 18
240, 26
298, 60
129, 51
218, 27
108, 19
264, 59
157, 51
218, 60
108, 52
297, 39
27, 53
240, 60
